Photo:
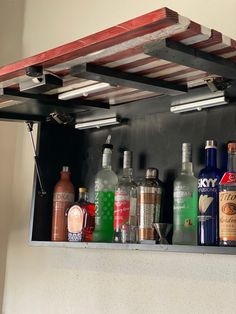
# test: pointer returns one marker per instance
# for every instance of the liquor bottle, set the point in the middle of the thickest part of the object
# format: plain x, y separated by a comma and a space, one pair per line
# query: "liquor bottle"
185, 201
227, 200
208, 201
80, 218
125, 207
63, 197
149, 201
105, 184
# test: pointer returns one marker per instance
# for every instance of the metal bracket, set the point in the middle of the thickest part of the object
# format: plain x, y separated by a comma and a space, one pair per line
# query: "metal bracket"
179, 53
114, 77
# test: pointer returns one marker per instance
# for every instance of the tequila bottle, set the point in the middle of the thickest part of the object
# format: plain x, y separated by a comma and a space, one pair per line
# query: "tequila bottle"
185, 201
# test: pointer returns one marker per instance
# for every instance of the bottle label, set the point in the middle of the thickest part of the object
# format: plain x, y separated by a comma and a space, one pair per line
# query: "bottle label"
61, 201
228, 216
104, 210
75, 223
147, 207
228, 178
185, 210
121, 209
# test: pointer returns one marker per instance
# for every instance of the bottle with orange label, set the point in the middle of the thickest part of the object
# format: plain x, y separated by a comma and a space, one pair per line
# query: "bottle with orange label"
81, 219
63, 197
227, 200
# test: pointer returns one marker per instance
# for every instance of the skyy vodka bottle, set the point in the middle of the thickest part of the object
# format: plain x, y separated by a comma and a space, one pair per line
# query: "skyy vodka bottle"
227, 208
185, 201
125, 212
105, 184
208, 192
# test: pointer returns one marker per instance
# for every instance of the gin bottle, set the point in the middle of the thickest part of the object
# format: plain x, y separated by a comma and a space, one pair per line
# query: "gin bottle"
208, 192
185, 201
125, 210
227, 208
105, 184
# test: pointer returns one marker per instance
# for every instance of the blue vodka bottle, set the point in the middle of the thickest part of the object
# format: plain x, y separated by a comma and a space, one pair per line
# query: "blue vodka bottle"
208, 192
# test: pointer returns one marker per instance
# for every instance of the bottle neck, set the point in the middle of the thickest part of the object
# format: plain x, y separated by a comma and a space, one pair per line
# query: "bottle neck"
127, 173
187, 168
106, 158
65, 175
83, 196
232, 162
211, 157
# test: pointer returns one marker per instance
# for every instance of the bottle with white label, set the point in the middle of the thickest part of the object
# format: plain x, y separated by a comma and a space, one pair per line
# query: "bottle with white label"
227, 200
185, 201
208, 201
125, 208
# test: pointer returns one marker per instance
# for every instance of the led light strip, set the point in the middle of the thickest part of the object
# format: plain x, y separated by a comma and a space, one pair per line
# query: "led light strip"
97, 123
83, 91
199, 105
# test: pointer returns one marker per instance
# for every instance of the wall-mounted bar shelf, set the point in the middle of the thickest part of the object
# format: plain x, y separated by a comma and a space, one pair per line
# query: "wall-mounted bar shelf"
139, 247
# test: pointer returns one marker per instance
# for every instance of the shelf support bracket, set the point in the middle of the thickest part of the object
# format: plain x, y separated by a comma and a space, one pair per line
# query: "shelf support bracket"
179, 53
114, 77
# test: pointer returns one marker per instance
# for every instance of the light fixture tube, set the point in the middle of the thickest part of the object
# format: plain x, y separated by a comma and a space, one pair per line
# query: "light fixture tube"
199, 105
97, 123
84, 91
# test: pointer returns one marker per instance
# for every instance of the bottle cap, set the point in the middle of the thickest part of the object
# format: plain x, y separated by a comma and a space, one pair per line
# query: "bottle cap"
127, 161
232, 147
83, 190
65, 169
151, 173
210, 144
107, 143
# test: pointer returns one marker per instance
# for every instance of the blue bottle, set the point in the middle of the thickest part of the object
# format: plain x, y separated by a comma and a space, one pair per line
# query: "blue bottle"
208, 201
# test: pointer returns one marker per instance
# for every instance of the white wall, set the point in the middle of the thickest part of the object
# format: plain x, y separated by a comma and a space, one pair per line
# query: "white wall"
46, 280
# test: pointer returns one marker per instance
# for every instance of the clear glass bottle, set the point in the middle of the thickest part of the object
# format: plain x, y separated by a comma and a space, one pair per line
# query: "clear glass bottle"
125, 208
149, 201
185, 201
227, 200
105, 184
208, 197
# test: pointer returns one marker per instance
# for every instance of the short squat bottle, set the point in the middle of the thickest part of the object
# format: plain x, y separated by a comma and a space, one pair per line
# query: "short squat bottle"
149, 201
125, 209
105, 184
227, 208
80, 218
185, 201
208, 192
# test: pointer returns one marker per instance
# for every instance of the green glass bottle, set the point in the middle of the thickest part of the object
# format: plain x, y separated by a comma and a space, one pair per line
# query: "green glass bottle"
105, 183
185, 201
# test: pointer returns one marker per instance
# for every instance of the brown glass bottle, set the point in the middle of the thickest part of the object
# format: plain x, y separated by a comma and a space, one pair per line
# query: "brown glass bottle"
63, 197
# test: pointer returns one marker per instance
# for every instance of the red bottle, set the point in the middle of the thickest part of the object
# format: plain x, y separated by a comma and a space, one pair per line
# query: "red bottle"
63, 197
81, 219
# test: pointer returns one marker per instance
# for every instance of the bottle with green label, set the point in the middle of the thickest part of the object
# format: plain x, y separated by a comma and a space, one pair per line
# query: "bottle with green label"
105, 183
185, 201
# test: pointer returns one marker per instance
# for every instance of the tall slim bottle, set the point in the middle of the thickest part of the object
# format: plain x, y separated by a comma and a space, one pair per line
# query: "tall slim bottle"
125, 209
227, 208
149, 201
63, 197
185, 201
208, 201
105, 184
